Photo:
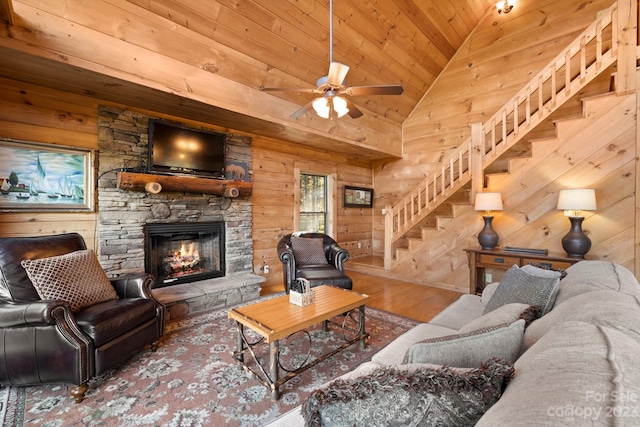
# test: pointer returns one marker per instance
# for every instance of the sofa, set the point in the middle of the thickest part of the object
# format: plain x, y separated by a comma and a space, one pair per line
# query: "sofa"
577, 359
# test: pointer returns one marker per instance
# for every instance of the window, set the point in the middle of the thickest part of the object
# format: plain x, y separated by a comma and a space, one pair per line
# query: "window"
313, 203
315, 200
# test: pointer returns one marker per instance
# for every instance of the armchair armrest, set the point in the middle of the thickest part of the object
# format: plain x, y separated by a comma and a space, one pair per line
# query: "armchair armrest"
36, 313
134, 285
338, 256
138, 285
288, 264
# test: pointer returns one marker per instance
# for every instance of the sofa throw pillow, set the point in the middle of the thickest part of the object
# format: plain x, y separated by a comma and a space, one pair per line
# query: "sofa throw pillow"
76, 277
438, 396
542, 271
519, 286
508, 314
470, 349
308, 250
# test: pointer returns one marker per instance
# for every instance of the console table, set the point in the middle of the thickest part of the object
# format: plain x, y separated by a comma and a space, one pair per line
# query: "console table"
481, 259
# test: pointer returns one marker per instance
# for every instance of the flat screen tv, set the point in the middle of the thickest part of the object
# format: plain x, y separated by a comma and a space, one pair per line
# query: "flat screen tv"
176, 149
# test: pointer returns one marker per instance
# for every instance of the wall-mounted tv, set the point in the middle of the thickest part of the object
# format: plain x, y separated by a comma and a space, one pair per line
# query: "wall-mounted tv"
175, 149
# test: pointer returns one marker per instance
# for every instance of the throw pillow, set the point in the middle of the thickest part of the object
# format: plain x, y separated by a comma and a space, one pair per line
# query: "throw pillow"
308, 250
470, 349
541, 271
423, 397
76, 277
519, 286
488, 292
508, 314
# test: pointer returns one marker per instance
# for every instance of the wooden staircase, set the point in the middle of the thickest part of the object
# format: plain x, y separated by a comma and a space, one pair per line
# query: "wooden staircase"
509, 134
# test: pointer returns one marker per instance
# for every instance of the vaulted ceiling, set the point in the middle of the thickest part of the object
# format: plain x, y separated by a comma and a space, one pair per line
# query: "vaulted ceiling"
405, 42
257, 43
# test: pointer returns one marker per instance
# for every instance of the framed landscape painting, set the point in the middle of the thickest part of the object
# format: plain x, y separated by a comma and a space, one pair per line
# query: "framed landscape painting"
45, 177
358, 197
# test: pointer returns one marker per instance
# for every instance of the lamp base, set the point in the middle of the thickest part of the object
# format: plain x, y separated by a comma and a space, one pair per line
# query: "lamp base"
488, 238
575, 243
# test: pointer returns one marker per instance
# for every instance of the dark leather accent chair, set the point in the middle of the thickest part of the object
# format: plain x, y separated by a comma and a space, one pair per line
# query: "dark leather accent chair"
329, 273
44, 342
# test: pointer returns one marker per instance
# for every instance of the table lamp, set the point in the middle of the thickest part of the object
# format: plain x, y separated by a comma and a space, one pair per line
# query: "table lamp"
576, 244
488, 238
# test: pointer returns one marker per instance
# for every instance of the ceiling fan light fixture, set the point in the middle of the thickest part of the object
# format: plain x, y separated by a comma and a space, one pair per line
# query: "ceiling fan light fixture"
340, 106
321, 105
333, 103
505, 6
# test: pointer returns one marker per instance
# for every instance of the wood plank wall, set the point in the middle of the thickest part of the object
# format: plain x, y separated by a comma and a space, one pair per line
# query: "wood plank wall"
597, 151
488, 69
33, 113
273, 199
495, 61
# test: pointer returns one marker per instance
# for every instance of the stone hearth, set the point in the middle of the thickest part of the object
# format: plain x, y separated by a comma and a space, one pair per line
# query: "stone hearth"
188, 298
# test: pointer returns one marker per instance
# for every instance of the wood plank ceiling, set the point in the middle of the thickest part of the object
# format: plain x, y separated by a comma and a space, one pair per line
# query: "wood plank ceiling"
286, 43
405, 42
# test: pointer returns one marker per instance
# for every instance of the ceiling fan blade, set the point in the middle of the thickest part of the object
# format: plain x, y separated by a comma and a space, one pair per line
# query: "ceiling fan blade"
354, 112
289, 89
337, 73
375, 90
302, 110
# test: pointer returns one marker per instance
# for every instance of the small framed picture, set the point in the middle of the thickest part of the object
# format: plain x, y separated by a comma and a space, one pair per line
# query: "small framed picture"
358, 197
236, 171
45, 177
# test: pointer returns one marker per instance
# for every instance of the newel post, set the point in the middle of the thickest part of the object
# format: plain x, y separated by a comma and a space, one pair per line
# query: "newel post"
627, 35
388, 237
477, 157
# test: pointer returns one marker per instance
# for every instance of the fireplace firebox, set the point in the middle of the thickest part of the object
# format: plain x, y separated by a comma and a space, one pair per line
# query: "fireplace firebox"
184, 252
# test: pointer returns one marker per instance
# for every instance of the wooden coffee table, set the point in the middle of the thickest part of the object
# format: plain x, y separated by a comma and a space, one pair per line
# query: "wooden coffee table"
277, 318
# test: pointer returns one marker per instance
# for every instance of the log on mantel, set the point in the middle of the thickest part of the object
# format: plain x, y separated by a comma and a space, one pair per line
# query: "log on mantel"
189, 184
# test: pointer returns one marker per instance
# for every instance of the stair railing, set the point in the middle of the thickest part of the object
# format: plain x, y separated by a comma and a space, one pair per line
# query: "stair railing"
580, 62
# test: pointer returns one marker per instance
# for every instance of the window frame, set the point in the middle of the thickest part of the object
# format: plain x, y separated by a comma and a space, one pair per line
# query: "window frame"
330, 172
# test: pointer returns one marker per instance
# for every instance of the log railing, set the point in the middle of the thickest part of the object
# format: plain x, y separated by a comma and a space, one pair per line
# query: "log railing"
592, 52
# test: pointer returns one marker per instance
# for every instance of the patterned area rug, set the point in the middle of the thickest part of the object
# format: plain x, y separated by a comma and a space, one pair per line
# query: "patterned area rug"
192, 380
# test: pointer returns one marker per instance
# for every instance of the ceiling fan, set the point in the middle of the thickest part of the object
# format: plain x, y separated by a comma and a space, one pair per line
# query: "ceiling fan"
333, 88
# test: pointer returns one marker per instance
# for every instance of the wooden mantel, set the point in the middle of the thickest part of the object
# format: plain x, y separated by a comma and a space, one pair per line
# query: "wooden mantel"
190, 184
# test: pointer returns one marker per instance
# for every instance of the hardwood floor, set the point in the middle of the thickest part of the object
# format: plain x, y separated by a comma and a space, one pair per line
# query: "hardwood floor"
407, 299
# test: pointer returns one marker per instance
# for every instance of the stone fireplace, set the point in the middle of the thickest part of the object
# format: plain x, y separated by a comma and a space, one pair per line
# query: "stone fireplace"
125, 216
184, 253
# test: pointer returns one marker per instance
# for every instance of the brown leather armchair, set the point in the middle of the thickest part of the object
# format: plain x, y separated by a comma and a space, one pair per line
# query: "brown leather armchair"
44, 342
329, 271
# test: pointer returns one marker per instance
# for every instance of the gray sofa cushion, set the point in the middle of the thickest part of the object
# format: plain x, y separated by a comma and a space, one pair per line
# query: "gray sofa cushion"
519, 286
393, 353
606, 308
589, 276
577, 374
508, 313
462, 311
470, 349
422, 397
543, 272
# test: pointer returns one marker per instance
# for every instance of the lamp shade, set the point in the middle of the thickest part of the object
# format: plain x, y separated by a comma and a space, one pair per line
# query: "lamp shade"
581, 199
488, 202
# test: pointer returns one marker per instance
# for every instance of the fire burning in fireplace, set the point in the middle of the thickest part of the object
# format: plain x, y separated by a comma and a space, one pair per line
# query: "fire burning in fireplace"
183, 261
181, 252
